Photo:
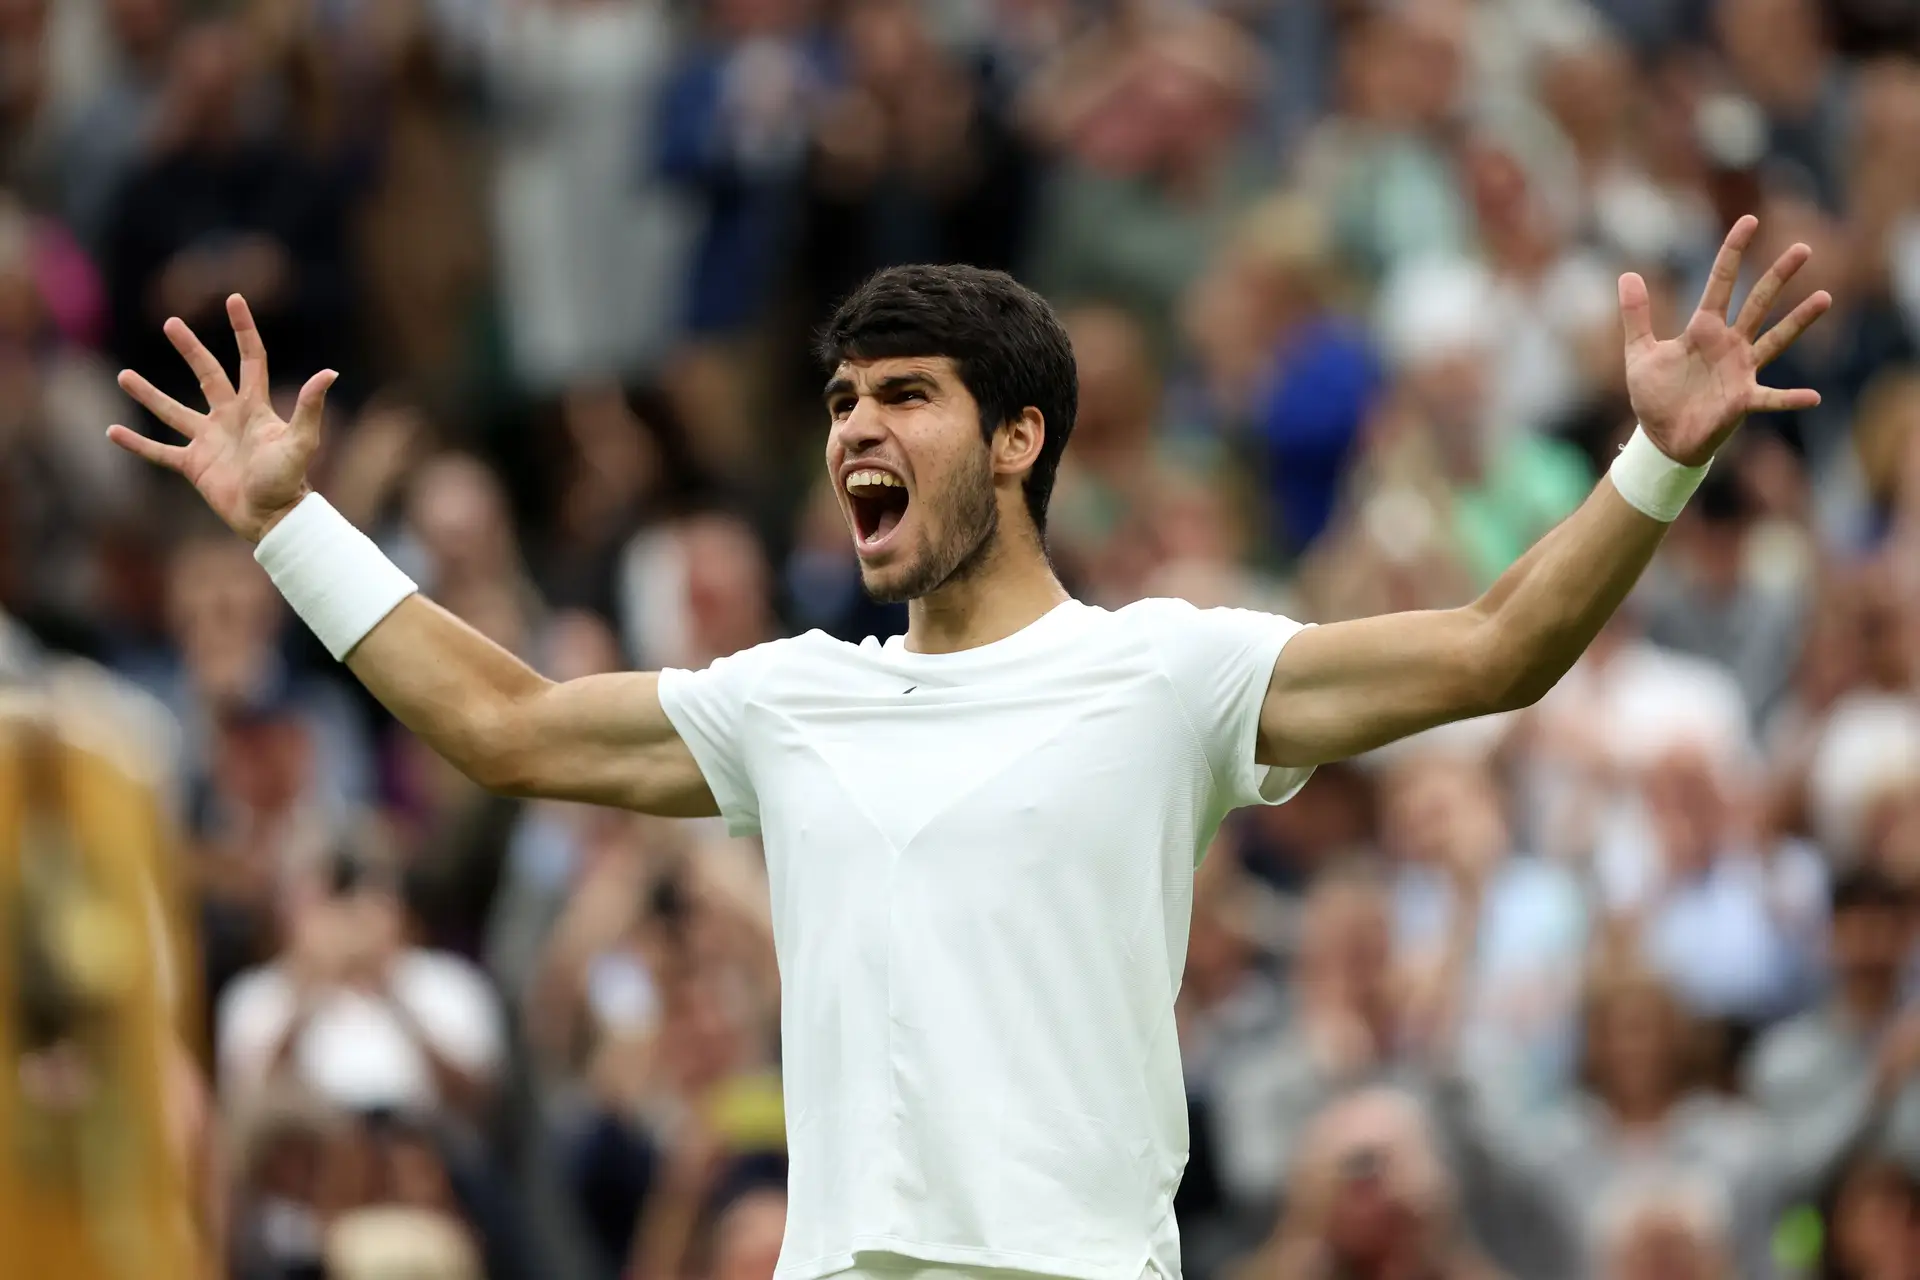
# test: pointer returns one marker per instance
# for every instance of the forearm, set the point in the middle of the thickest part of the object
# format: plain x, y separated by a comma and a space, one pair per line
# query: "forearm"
1544, 611
465, 1092
602, 739
454, 688
1349, 687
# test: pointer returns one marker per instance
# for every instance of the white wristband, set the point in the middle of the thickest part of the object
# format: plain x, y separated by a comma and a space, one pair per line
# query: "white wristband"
1651, 481
339, 583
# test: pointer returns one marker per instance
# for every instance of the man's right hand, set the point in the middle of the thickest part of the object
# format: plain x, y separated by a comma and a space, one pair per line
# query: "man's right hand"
250, 466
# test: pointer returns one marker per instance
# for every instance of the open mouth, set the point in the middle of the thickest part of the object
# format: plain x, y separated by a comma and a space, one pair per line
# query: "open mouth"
879, 502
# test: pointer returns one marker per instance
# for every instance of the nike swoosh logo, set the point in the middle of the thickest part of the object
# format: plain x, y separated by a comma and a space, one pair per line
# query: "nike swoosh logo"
904, 693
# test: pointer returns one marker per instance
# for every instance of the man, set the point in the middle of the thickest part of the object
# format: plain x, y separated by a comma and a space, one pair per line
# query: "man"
980, 836
1802, 1062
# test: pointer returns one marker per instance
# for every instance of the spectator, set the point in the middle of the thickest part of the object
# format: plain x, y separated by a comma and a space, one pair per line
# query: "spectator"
225, 622
1280, 363
1643, 1113
1360, 1015
1803, 1062
1732, 920
1440, 807
59, 486
1119, 408
354, 1012
1709, 596
219, 206
909, 161
578, 218
1147, 120
734, 131
1873, 1225
1370, 1197
692, 591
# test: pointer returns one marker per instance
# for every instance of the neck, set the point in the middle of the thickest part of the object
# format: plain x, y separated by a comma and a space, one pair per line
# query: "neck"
1010, 589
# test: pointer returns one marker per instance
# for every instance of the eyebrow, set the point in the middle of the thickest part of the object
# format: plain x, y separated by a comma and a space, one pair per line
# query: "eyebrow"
886, 386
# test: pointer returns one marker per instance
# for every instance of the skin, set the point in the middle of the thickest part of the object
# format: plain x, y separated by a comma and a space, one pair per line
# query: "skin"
1336, 690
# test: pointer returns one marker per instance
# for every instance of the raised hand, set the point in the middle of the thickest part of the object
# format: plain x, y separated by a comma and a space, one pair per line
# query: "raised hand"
1690, 392
250, 466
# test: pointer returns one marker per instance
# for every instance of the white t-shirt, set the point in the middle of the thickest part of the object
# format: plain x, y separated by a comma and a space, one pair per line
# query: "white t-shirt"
354, 1050
982, 871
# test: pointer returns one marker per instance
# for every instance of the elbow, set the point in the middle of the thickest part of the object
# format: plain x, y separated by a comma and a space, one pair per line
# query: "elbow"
497, 773
1519, 690
498, 753
1504, 674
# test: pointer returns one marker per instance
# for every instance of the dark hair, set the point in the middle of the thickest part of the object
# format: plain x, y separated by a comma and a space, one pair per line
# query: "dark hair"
1869, 888
1008, 346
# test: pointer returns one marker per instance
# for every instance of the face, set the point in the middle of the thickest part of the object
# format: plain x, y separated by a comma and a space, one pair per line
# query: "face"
1386, 1184
1870, 941
1876, 1219
1348, 943
1633, 1046
1685, 802
915, 480
1432, 798
460, 515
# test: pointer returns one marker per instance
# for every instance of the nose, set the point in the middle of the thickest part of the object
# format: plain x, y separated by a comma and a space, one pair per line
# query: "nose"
863, 428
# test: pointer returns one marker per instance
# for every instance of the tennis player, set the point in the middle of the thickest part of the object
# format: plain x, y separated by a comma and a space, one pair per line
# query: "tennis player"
981, 836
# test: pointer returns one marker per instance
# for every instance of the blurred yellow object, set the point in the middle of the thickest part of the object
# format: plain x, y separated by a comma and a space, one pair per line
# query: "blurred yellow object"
749, 1114
94, 1183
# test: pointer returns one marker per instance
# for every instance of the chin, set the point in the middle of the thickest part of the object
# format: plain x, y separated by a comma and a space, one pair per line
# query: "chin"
896, 577
892, 585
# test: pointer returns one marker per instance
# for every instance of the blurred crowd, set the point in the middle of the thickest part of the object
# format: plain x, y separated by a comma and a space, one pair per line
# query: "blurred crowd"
1624, 987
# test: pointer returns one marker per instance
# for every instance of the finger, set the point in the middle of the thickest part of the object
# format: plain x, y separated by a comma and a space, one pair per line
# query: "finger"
311, 408
1636, 311
1759, 303
253, 352
214, 384
161, 405
1776, 340
1776, 400
171, 456
1726, 267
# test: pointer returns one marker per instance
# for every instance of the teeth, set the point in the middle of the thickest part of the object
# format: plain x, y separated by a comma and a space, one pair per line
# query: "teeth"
871, 479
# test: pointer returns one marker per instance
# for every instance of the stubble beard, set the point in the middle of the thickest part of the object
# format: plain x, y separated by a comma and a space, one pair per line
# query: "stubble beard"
971, 532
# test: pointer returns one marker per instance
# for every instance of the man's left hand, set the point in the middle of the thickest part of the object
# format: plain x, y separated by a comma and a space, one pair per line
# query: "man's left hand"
1691, 392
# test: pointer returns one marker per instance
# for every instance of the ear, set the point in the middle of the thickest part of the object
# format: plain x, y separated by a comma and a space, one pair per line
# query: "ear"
1017, 443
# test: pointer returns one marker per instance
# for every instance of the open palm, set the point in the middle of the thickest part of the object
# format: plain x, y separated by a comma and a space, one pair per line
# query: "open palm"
249, 465
1691, 392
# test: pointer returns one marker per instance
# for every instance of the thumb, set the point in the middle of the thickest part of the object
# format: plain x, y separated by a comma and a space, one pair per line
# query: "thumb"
310, 409
1636, 311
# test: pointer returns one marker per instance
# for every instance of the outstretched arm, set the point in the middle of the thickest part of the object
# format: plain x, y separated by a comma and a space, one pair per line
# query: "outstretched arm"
604, 739
1352, 686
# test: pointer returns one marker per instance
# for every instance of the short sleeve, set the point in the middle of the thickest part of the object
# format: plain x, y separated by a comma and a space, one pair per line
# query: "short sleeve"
709, 709
1220, 662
